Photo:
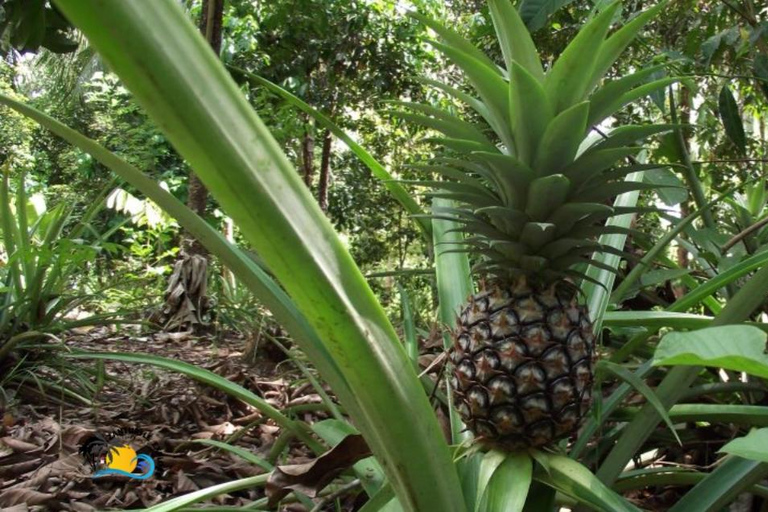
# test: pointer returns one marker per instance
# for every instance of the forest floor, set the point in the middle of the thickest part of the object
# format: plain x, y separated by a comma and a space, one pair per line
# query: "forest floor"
41, 468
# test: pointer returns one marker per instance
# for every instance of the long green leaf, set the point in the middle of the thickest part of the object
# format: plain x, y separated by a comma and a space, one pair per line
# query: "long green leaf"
619, 40
507, 488
722, 486
454, 286
597, 297
571, 478
516, 43
209, 492
569, 80
641, 387
174, 75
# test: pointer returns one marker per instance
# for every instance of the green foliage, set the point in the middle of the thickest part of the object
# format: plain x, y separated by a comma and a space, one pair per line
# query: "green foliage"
342, 58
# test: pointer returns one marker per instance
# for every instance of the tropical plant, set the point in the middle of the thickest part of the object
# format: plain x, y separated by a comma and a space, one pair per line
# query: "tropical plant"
44, 252
332, 315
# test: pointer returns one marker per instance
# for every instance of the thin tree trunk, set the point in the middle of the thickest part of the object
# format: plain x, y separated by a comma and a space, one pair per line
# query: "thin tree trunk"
325, 169
186, 304
211, 17
308, 154
685, 119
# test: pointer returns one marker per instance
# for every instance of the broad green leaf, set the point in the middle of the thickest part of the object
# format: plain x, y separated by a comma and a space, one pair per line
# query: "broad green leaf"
740, 348
508, 486
535, 13
569, 80
490, 462
731, 117
722, 486
516, 43
573, 479
174, 75
753, 446
671, 189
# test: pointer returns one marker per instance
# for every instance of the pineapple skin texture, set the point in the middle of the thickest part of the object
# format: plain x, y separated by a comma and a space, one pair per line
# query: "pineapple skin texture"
523, 365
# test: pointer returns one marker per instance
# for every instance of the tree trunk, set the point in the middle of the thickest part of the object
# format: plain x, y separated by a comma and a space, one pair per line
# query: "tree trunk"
308, 154
685, 119
211, 17
186, 304
325, 169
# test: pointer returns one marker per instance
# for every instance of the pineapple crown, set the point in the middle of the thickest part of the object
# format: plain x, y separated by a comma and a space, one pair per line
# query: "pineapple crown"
533, 203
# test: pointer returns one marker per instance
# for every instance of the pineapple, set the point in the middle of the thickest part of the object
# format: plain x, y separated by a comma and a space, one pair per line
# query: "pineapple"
531, 190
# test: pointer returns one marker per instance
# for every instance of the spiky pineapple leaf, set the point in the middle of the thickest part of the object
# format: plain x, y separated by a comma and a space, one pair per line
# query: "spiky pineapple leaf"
476, 190
536, 234
612, 89
512, 176
545, 195
567, 215
618, 42
593, 163
570, 78
575, 480
455, 40
514, 38
608, 105
461, 146
572, 260
442, 121
477, 105
631, 134
450, 173
530, 112
491, 87
561, 140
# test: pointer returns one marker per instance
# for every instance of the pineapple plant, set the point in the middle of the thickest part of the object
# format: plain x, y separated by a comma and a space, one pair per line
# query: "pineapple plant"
532, 184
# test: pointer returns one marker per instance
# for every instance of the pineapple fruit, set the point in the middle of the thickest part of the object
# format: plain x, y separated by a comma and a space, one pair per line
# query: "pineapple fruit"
531, 193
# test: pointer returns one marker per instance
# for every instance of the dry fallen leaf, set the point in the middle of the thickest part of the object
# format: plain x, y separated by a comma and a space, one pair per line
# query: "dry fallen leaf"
310, 478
